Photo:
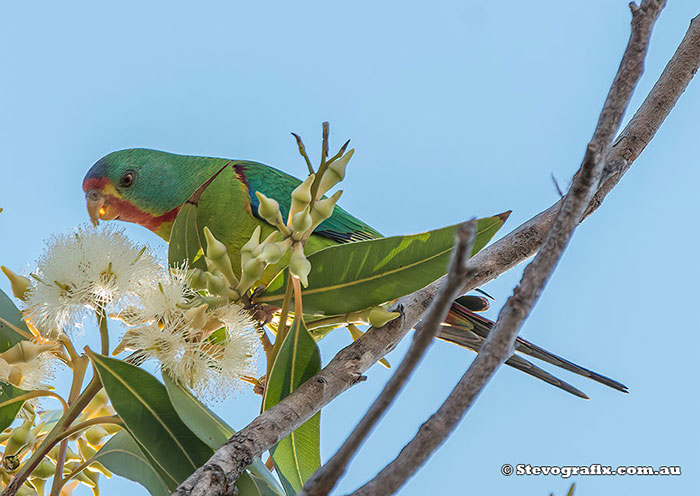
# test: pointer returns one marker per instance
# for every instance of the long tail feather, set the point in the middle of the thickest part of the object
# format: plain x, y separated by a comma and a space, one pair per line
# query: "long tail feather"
468, 339
463, 320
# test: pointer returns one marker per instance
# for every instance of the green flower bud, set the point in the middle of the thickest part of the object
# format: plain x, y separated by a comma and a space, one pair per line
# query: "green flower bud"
272, 253
215, 248
301, 196
323, 208
223, 266
215, 301
380, 316
83, 476
301, 222
254, 269
97, 404
95, 435
21, 436
272, 237
26, 490
215, 284
334, 174
45, 469
71, 456
19, 284
247, 249
299, 266
38, 485
268, 209
217, 255
86, 452
196, 279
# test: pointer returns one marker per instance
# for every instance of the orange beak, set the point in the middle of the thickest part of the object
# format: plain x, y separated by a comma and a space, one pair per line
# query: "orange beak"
95, 205
99, 207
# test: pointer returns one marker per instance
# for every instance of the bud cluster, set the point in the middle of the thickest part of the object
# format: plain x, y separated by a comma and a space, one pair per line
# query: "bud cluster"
20, 441
308, 209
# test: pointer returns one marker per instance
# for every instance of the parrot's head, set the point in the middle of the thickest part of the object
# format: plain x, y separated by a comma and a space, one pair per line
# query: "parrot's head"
136, 185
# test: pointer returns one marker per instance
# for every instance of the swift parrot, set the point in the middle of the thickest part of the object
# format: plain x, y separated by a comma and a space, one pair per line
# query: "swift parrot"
148, 187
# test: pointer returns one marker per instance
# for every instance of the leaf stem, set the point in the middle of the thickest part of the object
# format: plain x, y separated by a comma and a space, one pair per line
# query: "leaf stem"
36, 394
298, 309
282, 327
112, 419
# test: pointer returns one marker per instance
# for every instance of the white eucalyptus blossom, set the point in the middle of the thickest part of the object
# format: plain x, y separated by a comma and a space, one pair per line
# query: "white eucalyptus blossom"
38, 373
157, 298
211, 360
34, 374
81, 271
164, 343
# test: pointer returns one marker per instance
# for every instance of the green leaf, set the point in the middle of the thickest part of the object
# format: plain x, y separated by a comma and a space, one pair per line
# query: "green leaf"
354, 276
143, 404
213, 430
122, 455
298, 455
10, 322
206, 425
11, 400
184, 244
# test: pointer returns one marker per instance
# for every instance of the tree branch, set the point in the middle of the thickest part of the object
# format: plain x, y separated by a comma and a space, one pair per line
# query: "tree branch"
500, 343
325, 478
347, 367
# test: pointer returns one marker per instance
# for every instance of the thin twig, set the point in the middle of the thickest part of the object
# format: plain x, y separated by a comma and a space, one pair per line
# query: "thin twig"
348, 366
499, 345
302, 152
326, 477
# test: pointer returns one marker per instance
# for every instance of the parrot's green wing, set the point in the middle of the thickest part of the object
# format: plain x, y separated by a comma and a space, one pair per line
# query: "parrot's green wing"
340, 227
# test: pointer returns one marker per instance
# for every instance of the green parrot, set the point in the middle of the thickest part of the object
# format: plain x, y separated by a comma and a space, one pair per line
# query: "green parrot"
148, 187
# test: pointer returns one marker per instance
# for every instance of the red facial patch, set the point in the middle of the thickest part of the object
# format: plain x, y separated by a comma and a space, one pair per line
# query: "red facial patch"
130, 213
95, 183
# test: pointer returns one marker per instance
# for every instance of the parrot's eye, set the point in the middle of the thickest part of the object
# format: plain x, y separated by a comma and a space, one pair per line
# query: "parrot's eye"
127, 179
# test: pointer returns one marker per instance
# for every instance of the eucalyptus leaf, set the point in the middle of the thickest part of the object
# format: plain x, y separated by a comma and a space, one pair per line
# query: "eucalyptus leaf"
354, 276
204, 423
10, 322
122, 455
214, 431
142, 402
185, 245
298, 455
11, 400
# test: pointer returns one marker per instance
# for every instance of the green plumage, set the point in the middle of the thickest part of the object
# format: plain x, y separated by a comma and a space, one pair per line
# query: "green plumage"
229, 207
148, 187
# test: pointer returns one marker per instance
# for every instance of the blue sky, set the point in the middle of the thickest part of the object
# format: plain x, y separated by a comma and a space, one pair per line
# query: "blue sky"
456, 109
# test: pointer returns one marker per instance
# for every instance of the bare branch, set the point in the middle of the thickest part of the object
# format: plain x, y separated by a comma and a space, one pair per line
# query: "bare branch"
347, 367
325, 478
500, 343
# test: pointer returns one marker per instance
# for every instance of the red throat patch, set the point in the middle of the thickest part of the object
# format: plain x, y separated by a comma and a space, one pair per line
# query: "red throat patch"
128, 212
